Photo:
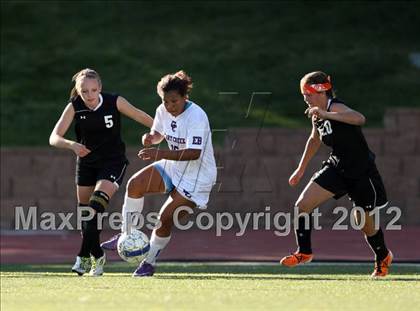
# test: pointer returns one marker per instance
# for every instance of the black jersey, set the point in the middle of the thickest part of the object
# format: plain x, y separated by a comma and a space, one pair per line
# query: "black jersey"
99, 130
350, 152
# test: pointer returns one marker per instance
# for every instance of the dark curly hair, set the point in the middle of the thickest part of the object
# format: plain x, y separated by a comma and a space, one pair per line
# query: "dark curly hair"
179, 82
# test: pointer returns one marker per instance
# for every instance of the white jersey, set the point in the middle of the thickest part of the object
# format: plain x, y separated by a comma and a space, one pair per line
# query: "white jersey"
189, 130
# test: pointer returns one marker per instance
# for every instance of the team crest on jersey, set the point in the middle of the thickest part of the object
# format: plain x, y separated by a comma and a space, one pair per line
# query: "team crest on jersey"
187, 194
173, 126
197, 140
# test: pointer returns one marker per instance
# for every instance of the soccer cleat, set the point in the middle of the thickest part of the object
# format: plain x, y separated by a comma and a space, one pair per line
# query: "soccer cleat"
296, 259
144, 269
111, 244
81, 265
382, 267
97, 268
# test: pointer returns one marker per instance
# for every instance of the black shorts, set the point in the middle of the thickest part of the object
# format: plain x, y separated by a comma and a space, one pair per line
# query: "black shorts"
367, 191
88, 175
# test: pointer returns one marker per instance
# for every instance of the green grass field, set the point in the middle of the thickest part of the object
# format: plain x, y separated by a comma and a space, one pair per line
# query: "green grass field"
201, 286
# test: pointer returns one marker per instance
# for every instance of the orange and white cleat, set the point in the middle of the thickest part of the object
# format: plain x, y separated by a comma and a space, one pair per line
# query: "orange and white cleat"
382, 267
296, 259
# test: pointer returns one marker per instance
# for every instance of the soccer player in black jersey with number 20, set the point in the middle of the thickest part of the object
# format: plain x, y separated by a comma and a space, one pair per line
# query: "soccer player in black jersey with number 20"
350, 169
101, 160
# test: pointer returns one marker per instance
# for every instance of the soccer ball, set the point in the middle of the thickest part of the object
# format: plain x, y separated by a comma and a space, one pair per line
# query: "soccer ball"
133, 247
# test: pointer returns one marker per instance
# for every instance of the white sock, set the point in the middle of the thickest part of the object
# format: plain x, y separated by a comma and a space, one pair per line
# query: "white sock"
157, 243
131, 205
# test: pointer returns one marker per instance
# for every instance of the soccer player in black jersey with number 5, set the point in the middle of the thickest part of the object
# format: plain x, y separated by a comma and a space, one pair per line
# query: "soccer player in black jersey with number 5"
101, 160
350, 169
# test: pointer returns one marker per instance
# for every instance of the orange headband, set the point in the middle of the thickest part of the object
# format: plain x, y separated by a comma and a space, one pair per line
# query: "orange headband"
316, 88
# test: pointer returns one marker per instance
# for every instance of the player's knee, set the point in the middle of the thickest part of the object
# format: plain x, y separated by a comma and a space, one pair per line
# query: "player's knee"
135, 187
99, 201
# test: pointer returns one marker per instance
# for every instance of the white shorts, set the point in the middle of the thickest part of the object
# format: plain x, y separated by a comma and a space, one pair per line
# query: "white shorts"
194, 191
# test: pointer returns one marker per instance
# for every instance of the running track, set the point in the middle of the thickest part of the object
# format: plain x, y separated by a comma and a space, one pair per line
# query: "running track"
206, 246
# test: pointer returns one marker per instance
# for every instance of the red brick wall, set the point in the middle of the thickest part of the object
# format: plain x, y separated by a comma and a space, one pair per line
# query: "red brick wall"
254, 170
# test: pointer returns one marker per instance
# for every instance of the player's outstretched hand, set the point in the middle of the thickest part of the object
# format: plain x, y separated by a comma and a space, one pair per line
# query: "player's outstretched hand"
295, 177
317, 112
149, 154
146, 140
80, 150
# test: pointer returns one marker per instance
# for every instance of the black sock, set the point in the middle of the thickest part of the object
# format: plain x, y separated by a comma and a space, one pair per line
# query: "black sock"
85, 247
377, 244
303, 236
94, 238
95, 248
91, 239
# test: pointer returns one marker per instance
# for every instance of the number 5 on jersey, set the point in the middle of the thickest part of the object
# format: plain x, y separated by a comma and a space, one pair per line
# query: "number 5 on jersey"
108, 121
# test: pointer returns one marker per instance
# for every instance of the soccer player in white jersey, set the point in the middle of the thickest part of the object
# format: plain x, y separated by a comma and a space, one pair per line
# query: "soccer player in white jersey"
187, 171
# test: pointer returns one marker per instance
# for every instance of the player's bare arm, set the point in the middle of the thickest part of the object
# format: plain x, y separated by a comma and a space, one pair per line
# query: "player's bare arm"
152, 138
342, 113
339, 112
177, 155
57, 135
312, 145
134, 113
